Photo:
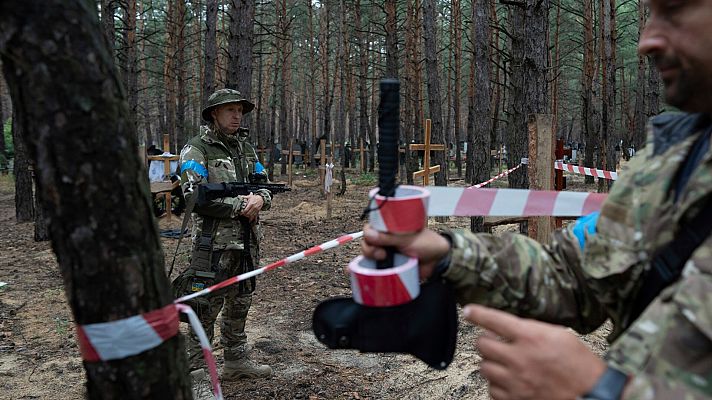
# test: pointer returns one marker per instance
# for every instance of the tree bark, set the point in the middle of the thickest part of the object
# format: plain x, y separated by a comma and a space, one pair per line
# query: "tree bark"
24, 203
41, 223
638, 140
180, 75
108, 250
391, 39
529, 70
587, 108
242, 33
480, 108
434, 100
457, 21
211, 48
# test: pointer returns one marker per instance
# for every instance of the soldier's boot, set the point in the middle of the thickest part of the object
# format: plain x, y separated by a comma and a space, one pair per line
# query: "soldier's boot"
202, 388
244, 368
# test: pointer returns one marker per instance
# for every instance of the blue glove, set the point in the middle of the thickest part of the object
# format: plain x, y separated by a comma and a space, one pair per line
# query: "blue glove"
585, 224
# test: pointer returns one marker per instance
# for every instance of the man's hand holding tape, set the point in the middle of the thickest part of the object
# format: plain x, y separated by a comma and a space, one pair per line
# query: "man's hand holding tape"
522, 358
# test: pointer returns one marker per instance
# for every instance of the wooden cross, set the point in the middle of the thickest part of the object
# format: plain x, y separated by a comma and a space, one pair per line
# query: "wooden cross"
165, 188
362, 152
427, 147
291, 153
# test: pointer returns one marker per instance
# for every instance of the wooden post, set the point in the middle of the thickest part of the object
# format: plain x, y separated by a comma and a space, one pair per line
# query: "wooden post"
322, 164
260, 155
362, 157
290, 160
427, 147
541, 169
329, 195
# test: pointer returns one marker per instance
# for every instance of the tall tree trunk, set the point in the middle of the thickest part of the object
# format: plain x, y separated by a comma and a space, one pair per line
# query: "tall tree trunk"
555, 74
242, 33
24, 203
480, 108
457, 21
169, 70
434, 102
364, 133
638, 139
608, 99
211, 48
180, 74
497, 98
41, 223
391, 39
108, 7
113, 269
284, 48
131, 73
587, 108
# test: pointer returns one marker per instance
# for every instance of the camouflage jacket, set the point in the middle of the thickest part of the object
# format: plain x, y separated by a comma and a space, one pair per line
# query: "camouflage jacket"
668, 349
208, 159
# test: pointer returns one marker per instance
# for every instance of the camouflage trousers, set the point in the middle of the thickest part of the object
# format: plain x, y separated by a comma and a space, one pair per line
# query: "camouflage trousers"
234, 301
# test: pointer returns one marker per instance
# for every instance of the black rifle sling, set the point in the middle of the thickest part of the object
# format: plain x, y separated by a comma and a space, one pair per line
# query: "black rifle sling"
668, 263
246, 263
188, 211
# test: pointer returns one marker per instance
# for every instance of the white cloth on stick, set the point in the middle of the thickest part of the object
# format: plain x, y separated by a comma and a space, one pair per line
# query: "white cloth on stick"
329, 179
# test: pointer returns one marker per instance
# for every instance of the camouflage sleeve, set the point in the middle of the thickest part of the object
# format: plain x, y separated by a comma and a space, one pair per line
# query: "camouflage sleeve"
519, 275
266, 197
194, 171
644, 387
668, 349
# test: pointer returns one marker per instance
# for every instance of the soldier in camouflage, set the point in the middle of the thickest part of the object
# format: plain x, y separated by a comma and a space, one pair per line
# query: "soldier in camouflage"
221, 153
594, 270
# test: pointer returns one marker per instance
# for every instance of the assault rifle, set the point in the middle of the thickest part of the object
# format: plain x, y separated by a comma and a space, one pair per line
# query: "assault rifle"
212, 191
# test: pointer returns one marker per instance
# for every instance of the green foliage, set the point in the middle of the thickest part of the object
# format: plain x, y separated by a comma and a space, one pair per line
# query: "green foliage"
365, 179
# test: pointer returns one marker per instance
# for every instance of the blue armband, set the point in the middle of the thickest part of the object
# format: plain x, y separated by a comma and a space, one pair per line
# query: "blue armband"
583, 225
259, 168
195, 166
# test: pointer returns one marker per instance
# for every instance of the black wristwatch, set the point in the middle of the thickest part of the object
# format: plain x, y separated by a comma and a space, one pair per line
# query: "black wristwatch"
608, 387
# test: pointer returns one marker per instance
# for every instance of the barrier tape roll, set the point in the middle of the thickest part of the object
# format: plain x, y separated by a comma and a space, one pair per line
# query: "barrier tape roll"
404, 213
599, 173
384, 287
466, 202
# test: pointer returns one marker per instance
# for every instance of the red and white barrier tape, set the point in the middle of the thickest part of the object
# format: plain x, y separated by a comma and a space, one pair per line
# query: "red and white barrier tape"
126, 337
503, 174
599, 173
466, 202
205, 345
288, 260
113, 340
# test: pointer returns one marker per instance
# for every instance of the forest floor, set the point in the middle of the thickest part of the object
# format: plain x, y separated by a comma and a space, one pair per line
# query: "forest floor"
39, 358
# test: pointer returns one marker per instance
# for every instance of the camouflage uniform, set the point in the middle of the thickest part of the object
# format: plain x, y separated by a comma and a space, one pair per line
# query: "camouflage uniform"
668, 349
212, 157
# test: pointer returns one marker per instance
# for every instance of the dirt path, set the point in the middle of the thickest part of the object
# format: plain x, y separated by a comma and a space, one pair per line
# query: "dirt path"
39, 356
